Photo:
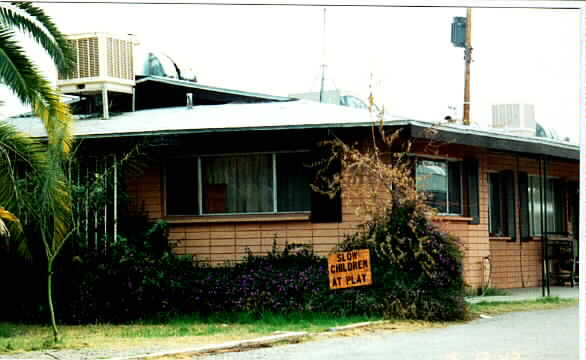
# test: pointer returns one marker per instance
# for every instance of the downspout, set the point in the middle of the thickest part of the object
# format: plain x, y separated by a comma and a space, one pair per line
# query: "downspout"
543, 250
519, 223
115, 220
544, 219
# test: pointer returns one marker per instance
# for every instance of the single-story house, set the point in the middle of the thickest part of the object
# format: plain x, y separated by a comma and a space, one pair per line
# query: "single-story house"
228, 175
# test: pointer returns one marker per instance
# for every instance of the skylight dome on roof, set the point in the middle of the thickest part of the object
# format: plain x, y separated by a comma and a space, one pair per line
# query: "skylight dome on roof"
148, 62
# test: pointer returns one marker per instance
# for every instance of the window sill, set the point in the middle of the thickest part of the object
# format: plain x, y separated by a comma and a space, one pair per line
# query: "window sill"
236, 218
500, 238
451, 218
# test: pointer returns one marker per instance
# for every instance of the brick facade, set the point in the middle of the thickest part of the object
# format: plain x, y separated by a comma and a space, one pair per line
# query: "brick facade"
220, 239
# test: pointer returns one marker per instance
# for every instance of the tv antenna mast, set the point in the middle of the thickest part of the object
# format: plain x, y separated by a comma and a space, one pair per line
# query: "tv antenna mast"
323, 65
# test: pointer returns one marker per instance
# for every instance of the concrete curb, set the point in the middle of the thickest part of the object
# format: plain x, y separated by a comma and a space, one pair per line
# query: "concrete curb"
357, 325
506, 298
217, 347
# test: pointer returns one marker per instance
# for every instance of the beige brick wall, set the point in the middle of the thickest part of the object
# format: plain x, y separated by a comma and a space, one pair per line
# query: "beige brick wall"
513, 264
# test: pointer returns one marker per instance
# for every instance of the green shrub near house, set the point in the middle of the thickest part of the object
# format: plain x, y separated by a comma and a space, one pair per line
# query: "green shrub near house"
417, 274
417, 269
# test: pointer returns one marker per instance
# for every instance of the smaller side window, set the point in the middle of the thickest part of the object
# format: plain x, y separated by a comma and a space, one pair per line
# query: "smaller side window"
441, 180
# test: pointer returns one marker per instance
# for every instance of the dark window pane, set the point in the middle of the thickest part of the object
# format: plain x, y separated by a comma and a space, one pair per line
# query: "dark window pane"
471, 186
181, 187
509, 207
557, 206
432, 178
238, 184
454, 188
524, 221
495, 209
553, 206
535, 204
293, 179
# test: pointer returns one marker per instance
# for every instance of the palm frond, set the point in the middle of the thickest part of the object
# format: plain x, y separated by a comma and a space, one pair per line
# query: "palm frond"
33, 21
18, 72
7, 215
18, 153
57, 119
25, 79
20, 157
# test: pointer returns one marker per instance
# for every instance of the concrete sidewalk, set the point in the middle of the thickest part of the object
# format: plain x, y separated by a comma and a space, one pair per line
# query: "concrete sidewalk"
521, 294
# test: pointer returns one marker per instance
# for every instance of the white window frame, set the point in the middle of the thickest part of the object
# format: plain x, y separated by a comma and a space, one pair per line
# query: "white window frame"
200, 206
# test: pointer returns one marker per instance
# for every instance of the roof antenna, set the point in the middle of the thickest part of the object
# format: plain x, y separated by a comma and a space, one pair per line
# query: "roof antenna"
323, 65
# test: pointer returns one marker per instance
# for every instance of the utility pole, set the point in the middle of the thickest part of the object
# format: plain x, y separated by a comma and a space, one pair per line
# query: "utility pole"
468, 60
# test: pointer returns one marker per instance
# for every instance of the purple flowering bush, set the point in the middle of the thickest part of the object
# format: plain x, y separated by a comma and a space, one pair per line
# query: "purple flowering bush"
417, 274
280, 282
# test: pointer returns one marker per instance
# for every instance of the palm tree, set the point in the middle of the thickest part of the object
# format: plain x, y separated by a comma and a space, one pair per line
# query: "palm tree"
21, 75
52, 209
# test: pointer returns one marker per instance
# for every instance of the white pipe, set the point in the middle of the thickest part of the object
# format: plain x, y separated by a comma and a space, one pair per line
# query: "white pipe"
105, 114
115, 199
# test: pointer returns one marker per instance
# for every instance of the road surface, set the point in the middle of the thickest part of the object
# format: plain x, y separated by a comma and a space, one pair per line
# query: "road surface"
534, 335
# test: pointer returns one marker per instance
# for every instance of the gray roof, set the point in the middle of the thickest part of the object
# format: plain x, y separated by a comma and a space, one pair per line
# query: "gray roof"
210, 118
300, 114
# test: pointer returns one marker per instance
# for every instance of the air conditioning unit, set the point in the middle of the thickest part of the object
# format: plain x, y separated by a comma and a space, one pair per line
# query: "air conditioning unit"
104, 62
514, 118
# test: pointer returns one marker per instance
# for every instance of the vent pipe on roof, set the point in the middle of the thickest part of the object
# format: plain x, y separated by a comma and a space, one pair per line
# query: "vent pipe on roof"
189, 100
105, 104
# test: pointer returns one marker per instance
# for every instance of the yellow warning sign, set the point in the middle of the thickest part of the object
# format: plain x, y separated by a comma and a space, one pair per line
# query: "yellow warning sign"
349, 269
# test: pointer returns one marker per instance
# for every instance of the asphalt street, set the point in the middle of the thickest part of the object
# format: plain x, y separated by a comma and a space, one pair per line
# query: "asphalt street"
535, 335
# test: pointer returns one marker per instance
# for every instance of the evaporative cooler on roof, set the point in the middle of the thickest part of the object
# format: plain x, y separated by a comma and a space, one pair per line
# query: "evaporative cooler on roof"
103, 61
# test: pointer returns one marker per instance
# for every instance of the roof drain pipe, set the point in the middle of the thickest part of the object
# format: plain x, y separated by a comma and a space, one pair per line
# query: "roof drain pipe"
189, 101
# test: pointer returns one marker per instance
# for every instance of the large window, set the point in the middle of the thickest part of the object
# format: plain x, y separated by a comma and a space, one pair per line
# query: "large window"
553, 206
238, 184
532, 203
441, 180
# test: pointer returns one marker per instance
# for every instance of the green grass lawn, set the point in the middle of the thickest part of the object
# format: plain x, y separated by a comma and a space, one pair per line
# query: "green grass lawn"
196, 330
495, 308
192, 330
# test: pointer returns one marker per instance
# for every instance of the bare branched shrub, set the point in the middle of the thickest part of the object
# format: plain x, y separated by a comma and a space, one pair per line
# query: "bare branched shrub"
416, 268
377, 174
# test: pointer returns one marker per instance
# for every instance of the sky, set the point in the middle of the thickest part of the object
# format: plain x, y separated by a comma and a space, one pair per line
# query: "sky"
403, 54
